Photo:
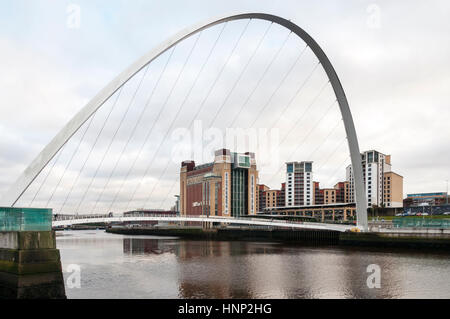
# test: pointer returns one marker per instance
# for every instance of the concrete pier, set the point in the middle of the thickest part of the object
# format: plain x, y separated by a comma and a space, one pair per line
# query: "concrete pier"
438, 239
30, 266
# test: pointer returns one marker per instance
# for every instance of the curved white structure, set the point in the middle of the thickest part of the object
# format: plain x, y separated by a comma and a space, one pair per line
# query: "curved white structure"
33, 170
240, 221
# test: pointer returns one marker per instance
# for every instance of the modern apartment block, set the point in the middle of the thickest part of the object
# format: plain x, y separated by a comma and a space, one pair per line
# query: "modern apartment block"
382, 186
225, 187
338, 194
329, 196
281, 197
272, 198
342, 192
317, 194
393, 190
261, 197
299, 186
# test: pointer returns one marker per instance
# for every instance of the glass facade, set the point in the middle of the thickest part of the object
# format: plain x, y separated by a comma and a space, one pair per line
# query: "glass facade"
25, 219
239, 196
308, 167
244, 161
290, 168
216, 197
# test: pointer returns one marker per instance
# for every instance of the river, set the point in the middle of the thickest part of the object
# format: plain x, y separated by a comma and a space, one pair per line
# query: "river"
102, 265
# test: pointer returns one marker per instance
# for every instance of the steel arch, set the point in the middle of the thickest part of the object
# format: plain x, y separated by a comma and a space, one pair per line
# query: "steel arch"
38, 164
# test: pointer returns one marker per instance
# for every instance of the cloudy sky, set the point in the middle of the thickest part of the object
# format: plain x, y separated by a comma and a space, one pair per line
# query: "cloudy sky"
392, 58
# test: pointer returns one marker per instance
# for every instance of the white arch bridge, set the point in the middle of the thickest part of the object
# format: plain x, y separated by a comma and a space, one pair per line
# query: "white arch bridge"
11, 197
74, 220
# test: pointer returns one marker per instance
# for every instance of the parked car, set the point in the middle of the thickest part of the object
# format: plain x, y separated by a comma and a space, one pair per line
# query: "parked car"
447, 213
425, 214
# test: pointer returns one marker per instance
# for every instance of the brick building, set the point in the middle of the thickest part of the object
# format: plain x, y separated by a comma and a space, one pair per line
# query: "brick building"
225, 187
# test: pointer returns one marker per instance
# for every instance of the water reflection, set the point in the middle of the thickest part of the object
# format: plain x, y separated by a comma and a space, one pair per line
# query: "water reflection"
116, 266
132, 246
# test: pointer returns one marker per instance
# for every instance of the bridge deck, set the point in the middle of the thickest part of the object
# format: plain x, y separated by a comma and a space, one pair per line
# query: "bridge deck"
242, 221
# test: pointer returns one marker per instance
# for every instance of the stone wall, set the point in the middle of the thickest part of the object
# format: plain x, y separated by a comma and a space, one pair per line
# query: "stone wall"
30, 266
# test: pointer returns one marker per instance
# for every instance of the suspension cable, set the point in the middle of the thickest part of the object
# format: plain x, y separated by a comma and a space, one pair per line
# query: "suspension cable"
290, 70
213, 85
224, 102
306, 137
163, 202
312, 129
332, 153
272, 95
165, 103
70, 161
263, 75
104, 154
199, 109
150, 98
47, 175
240, 75
123, 148
300, 88
324, 141
90, 153
280, 84
78, 175
179, 109
304, 112
177, 113
338, 169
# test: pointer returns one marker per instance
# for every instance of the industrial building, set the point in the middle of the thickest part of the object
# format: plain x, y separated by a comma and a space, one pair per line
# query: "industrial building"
225, 187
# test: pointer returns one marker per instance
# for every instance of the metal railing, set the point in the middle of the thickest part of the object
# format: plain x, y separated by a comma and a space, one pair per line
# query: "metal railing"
65, 220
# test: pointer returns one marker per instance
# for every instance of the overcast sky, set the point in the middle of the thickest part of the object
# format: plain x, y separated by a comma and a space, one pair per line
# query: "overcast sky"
392, 58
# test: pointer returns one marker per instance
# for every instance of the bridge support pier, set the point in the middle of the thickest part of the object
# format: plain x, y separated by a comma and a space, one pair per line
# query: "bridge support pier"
30, 264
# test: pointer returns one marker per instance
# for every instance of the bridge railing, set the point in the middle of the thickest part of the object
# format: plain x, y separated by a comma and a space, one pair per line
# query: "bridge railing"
59, 217
62, 217
219, 219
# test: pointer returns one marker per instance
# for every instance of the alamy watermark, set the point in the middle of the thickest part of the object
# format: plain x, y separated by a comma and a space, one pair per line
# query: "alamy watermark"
374, 279
73, 20
199, 144
374, 16
74, 279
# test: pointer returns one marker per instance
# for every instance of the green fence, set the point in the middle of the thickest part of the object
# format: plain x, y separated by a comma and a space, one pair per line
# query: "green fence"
25, 219
421, 222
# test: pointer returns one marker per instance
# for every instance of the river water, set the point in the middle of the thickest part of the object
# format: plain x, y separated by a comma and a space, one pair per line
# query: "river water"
118, 266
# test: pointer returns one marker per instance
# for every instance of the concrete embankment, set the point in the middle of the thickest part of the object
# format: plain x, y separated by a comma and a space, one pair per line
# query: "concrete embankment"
376, 239
411, 239
30, 266
311, 236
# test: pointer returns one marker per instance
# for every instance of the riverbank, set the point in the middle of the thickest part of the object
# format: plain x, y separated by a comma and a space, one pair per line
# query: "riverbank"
283, 235
122, 266
437, 240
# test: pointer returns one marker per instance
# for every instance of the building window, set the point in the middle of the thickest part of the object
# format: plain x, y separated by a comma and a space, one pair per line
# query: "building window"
226, 192
252, 193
